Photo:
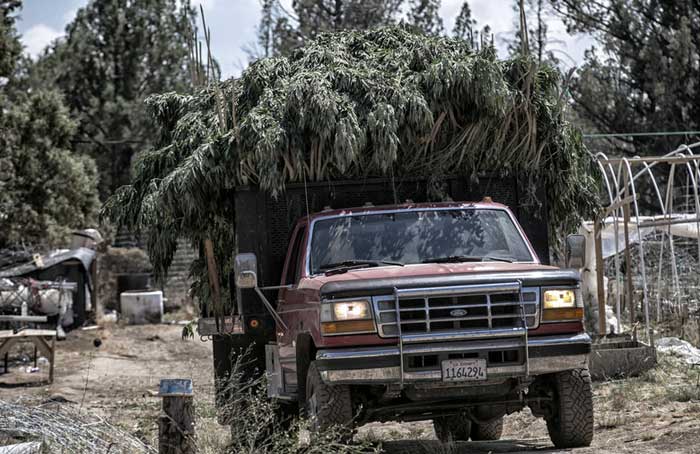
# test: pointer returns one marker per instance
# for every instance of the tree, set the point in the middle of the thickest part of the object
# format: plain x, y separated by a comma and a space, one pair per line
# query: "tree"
280, 31
642, 76
424, 15
10, 47
115, 54
45, 190
464, 24
537, 12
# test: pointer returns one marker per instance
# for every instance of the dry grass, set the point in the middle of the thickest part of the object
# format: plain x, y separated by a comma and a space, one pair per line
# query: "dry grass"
65, 429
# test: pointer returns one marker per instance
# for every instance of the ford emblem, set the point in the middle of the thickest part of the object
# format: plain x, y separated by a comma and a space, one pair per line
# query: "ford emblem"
458, 313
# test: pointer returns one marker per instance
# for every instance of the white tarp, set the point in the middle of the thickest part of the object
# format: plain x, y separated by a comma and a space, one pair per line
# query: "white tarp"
680, 348
687, 230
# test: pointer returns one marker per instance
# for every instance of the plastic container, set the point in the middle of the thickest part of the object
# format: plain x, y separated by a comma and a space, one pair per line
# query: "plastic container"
142, 307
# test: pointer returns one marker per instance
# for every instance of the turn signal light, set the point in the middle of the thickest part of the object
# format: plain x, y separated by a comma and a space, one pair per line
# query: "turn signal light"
348, 327
558, 315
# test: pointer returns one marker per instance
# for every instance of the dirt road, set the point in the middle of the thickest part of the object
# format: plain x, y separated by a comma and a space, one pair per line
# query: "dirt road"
657, 413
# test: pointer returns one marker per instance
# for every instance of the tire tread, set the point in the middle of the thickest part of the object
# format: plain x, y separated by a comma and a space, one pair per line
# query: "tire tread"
572, 427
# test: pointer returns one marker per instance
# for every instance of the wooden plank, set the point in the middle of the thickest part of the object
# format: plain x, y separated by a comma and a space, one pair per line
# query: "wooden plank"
619, 204
24, 318
6, 334
668, 222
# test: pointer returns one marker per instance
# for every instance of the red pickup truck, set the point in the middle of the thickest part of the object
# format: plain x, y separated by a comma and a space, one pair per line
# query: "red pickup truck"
432, 311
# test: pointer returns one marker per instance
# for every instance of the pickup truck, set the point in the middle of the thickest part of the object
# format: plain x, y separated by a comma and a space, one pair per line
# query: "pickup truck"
423, 311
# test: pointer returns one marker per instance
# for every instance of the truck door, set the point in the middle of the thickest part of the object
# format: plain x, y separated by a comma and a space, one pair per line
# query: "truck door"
291, 305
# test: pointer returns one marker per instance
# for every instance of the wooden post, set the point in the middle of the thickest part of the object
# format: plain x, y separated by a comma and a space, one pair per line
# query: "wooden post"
176, 434
213, 273
629, 290
600, 275
52, 358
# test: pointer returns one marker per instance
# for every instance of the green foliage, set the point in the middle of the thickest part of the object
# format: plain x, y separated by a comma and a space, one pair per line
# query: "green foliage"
115, 54
45, 190
464, 23
279, 33
10, 47
351, 104
642, 76
424, 15
537, 14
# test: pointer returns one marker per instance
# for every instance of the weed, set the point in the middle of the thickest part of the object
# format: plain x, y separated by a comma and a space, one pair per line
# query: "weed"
261, 426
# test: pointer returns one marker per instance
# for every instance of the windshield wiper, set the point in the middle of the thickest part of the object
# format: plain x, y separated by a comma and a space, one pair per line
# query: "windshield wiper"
346, 265
467, 258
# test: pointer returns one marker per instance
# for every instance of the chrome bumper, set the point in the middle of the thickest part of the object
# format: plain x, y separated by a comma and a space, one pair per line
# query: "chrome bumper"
381, 365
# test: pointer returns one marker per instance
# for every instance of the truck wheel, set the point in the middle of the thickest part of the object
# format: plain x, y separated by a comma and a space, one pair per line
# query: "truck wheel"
326, 405
572, 424
452, 428
491, 430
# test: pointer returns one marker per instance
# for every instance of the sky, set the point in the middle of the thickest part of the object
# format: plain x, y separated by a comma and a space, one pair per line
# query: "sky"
233, 23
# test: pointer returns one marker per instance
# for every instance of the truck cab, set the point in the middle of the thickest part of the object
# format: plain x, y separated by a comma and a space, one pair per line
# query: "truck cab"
437, 311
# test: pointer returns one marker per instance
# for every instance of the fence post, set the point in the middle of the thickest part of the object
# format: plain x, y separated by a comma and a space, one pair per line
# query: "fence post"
176, 434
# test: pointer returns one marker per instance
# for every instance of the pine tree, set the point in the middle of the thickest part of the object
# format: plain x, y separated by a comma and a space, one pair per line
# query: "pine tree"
537, 13
10, 47
464, 24
424, 15
642, 75
45, 190
115, 54
280, 31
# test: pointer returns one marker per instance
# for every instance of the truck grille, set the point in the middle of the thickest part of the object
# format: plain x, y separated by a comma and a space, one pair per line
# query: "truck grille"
478, 307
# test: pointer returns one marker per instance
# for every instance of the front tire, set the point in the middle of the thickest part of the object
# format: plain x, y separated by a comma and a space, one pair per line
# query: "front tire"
452, 428
326, 406
572, 424
489, 431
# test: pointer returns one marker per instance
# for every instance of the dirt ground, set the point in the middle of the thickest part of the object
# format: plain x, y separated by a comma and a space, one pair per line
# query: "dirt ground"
656, 413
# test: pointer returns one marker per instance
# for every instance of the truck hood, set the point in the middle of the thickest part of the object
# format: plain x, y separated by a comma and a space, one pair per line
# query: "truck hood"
382, 280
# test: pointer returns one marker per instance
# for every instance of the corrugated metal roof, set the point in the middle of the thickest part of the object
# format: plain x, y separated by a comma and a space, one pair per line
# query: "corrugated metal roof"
84, 255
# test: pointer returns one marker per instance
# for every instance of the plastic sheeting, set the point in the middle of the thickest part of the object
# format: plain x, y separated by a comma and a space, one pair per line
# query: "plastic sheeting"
687, 230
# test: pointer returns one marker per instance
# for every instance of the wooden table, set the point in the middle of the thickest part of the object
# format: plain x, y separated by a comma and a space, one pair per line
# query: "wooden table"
43, 339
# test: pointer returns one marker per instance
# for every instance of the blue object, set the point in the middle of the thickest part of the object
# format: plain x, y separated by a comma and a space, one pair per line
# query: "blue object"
172, 387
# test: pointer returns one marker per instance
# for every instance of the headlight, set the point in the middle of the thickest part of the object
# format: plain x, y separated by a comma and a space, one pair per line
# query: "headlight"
345, 310
558, 299
561, 305
347, 317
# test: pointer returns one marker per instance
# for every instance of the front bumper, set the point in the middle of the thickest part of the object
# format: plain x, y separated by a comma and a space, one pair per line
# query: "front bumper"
381, 365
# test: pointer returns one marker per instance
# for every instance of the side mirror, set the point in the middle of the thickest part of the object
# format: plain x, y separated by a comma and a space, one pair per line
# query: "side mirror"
575, 251
245, 270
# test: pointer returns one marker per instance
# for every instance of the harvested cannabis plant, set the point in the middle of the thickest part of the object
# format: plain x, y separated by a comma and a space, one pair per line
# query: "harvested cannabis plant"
349, 105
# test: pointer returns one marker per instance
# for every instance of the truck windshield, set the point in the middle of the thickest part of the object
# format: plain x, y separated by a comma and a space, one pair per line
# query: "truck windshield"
407, 237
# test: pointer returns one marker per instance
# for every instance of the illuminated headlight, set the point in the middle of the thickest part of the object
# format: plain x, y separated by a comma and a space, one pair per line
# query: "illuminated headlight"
562, 305
346, 317
559, 299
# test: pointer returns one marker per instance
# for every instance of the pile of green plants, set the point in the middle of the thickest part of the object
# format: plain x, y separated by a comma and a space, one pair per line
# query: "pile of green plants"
351, 104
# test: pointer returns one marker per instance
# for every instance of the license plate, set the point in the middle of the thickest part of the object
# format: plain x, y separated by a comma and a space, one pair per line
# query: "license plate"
463, 370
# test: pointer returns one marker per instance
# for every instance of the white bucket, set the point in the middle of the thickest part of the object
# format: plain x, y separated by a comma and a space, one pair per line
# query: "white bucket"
142, 307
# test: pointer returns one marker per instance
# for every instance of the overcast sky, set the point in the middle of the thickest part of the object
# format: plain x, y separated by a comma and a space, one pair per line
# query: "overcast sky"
233, 26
